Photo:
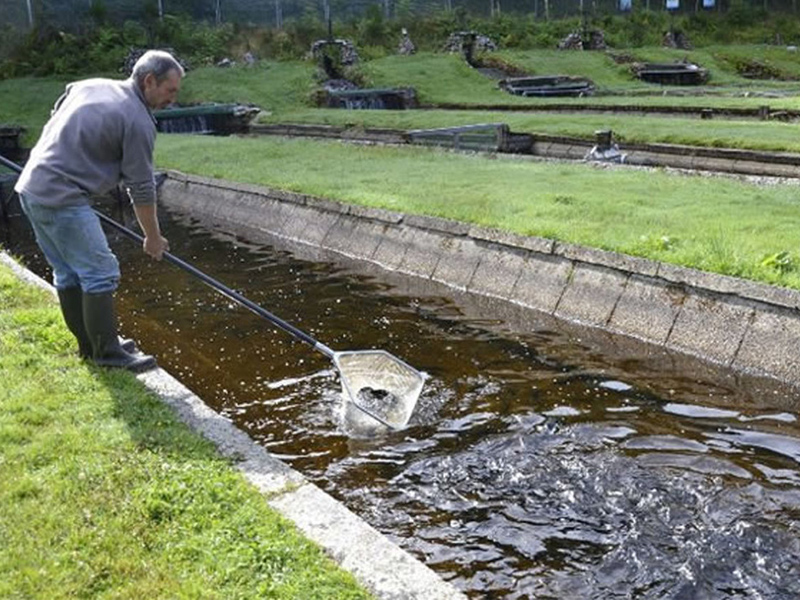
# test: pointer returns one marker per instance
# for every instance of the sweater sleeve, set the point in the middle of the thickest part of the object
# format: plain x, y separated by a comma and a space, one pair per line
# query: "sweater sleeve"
137, 162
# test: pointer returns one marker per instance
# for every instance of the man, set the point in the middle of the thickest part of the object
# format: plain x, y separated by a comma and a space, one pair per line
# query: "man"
100, 133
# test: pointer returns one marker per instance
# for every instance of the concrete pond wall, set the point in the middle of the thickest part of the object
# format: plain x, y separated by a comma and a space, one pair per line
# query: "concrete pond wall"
743, 325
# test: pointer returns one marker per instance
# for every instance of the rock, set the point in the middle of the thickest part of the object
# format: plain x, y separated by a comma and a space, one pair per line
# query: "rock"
406, 45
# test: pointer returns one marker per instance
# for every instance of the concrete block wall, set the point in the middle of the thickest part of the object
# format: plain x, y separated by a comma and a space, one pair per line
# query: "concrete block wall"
743, 325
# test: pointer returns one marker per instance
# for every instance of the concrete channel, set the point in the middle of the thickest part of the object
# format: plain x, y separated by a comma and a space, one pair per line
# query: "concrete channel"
762, 113
382, 567
745, 326
724, 160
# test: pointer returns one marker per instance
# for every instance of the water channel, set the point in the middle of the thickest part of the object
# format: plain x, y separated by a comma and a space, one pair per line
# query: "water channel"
544, 460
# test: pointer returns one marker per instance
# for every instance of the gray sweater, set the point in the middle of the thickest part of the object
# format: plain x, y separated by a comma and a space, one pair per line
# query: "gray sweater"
100, 133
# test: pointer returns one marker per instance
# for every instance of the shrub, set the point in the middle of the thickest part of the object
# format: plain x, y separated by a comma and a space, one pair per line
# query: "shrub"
98, 45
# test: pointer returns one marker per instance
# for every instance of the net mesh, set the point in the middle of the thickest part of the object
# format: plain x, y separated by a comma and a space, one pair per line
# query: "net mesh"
380, 385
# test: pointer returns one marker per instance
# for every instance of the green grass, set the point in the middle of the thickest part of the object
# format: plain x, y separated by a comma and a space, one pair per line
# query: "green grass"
27, 103
105, 495
440, 78
284, 90
437, 78
274, 86
597, 66
721, 61
611, 77
780, 59
710, 223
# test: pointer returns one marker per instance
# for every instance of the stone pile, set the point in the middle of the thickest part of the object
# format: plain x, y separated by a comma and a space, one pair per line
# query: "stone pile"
573, 41
459, 40
589, 40
347, 51
406, 47
676, 39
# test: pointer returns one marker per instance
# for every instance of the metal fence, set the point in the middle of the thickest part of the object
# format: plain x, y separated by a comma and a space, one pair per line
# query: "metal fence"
72, 13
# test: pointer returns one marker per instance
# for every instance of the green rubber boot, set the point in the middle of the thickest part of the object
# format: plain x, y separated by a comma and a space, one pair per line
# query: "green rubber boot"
71, 301
101, 328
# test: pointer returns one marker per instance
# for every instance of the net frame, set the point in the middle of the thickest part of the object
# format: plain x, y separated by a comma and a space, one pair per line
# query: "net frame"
379, 370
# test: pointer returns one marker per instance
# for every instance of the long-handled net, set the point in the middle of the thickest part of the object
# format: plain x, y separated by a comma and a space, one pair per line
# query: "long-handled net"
380, 385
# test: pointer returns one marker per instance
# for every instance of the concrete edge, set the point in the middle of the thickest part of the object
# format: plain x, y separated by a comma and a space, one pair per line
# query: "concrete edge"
717, 318
25, 274
382, 567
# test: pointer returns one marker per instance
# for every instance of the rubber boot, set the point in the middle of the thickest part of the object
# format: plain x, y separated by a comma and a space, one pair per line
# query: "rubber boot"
71, 301
101, 327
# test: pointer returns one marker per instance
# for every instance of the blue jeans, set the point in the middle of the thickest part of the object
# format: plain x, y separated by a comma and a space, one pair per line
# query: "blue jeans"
74, 244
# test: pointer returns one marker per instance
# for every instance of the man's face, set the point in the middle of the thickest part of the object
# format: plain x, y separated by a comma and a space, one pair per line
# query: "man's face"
159, 95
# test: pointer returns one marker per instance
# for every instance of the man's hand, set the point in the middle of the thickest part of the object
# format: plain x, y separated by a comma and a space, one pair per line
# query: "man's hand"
155, 246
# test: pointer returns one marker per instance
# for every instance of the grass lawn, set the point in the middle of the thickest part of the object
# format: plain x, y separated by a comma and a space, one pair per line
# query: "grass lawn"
710, 223
722, 62
446, 78
27, 103
105, 495
284, 89
275, 86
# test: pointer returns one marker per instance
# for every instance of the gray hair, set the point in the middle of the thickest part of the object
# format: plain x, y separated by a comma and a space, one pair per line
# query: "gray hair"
157, 62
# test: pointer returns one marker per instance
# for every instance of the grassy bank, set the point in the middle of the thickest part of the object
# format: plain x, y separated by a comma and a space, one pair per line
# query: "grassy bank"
27, 103
106, 495
711, 223
284, 90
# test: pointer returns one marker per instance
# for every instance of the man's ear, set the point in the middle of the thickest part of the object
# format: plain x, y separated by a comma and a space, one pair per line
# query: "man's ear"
150, 81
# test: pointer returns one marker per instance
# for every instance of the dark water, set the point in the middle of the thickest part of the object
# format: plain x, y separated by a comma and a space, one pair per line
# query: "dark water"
544, 460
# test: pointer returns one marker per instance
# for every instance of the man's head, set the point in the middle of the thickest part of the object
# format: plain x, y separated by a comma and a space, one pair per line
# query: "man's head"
158, 75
